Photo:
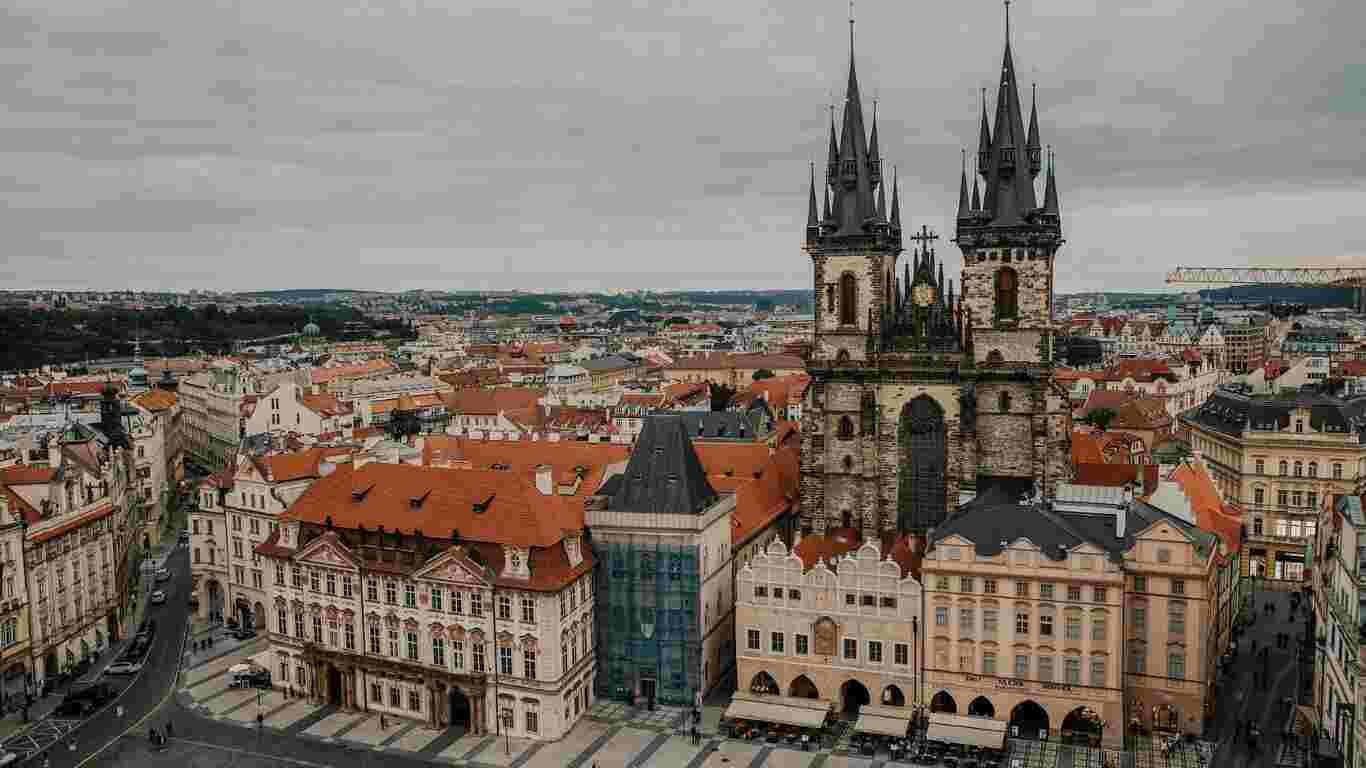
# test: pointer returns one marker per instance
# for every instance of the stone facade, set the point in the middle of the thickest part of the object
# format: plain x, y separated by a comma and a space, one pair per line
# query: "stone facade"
919, 399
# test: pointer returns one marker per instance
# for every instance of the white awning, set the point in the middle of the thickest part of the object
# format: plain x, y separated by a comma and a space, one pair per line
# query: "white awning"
883, 720
781, 710
967, 730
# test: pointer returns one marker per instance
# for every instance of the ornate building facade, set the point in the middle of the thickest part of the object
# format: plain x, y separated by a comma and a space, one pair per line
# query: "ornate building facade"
459, 597
922, 398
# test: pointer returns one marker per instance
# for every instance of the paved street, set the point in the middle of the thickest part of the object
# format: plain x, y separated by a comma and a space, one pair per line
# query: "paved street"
1241, 699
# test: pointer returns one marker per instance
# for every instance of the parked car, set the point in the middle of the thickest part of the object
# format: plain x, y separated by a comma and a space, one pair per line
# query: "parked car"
243, 633
158, 597
84, 699
147, 631
124, 667
163, 574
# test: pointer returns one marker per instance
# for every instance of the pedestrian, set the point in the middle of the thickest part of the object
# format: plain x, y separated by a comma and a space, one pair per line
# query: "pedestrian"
170, 732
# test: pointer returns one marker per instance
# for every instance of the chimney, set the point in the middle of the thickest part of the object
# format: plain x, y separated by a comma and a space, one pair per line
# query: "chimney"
544, 483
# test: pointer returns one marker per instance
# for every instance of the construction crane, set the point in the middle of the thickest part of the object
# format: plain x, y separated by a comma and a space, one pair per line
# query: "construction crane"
1354, 277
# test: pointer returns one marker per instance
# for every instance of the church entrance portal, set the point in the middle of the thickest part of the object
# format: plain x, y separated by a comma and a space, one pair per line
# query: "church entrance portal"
921, 494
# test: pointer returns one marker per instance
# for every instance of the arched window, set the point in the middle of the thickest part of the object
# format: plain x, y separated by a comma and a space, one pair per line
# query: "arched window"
1337, 471
1285, 468
1004, 401
842, 357
846, 431
1007, 294
994, 357
848, 300
830, 298
1299, 469
1313, 469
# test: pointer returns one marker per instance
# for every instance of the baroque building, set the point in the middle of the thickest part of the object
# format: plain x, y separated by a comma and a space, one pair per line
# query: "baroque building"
922, 396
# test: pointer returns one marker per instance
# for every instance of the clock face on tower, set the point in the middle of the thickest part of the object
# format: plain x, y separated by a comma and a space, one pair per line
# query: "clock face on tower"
923, 295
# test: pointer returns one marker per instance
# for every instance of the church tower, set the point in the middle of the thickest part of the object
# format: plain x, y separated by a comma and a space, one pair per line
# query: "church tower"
853, 242
1009, 238
924, 397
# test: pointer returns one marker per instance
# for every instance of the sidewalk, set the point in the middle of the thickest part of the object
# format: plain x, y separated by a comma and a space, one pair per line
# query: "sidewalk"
13, 723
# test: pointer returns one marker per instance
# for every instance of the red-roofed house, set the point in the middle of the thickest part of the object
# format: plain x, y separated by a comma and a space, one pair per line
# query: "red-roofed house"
289, 408
403, 589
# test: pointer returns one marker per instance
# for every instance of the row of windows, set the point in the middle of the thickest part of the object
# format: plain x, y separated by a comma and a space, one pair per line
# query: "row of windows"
1259, 465
851, 599
1176, 660
1043, 667
1047, 590
1287, 498
1072, 623
849, 649
342, 634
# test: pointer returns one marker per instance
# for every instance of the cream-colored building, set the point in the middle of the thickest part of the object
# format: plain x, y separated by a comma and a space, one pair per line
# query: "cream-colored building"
14, 606
211, 404
1277, 459
1084, 617
837, 624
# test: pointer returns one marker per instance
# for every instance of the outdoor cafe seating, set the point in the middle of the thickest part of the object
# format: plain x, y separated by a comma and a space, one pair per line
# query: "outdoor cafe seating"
777, 719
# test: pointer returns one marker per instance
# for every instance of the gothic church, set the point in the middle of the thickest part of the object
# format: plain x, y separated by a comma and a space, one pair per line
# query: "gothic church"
924, 397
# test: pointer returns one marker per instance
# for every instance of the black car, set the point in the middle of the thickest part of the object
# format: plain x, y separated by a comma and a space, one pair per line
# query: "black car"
243, 633
85, 698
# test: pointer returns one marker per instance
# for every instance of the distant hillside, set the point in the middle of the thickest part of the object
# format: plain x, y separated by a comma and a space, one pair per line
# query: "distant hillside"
1309, 295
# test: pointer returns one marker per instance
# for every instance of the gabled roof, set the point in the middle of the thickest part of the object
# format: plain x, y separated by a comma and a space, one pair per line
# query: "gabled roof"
491, 402
481, 505
664, 475
157, 400
27, 474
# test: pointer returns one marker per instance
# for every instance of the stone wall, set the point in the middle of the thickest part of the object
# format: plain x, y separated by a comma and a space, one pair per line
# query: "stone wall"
1034, 269
1005, 439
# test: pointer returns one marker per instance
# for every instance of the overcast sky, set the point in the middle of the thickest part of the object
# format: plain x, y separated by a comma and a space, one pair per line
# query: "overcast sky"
399, 144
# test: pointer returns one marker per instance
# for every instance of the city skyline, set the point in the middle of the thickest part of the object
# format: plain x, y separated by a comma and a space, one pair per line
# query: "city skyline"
172, 149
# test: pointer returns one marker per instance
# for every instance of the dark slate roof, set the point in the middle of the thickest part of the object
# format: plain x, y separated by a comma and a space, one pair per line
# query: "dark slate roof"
664, 474
723, 425
1228, 412
991, 519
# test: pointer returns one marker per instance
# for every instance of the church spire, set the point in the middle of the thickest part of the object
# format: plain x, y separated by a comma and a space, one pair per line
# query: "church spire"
1032, 146
963, 210
855, 205
976, 198
1009, 196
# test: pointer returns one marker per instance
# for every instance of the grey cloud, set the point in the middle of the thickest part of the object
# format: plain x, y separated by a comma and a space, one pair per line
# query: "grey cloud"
616, 144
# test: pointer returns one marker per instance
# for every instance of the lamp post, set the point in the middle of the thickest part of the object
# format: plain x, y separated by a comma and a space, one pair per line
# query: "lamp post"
919, 666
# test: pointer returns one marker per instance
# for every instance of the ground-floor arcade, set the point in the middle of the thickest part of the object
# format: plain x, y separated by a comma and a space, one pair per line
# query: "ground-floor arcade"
849, 689
1031, 709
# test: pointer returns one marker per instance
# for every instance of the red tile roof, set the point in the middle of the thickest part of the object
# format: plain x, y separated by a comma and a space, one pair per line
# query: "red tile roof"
17, 503
80, 388
27, 474
1211, 513
1140, 371
761, 501
491, 402
102, 511
828, 546
522, 457
324, 404
1104, 398
157, 400
482, 505
362, 369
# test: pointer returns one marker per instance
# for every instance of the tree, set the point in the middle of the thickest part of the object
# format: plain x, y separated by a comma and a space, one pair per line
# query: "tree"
762, 373
1100, 417
721, 395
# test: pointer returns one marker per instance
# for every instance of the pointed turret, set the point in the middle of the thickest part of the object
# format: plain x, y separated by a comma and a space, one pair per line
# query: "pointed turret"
825, 212
874, 160
1050, 195
940, 292
976, 198
1032, 145
813, 226
984, 139
882, 202
963, 210
896, 203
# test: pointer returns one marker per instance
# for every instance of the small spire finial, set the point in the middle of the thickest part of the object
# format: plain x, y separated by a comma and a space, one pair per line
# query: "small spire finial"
1007, 2
851, 29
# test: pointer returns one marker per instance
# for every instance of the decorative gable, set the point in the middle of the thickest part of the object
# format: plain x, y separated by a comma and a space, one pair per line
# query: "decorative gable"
289, 535
515, 564
573, 549
453, 566
329, 552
